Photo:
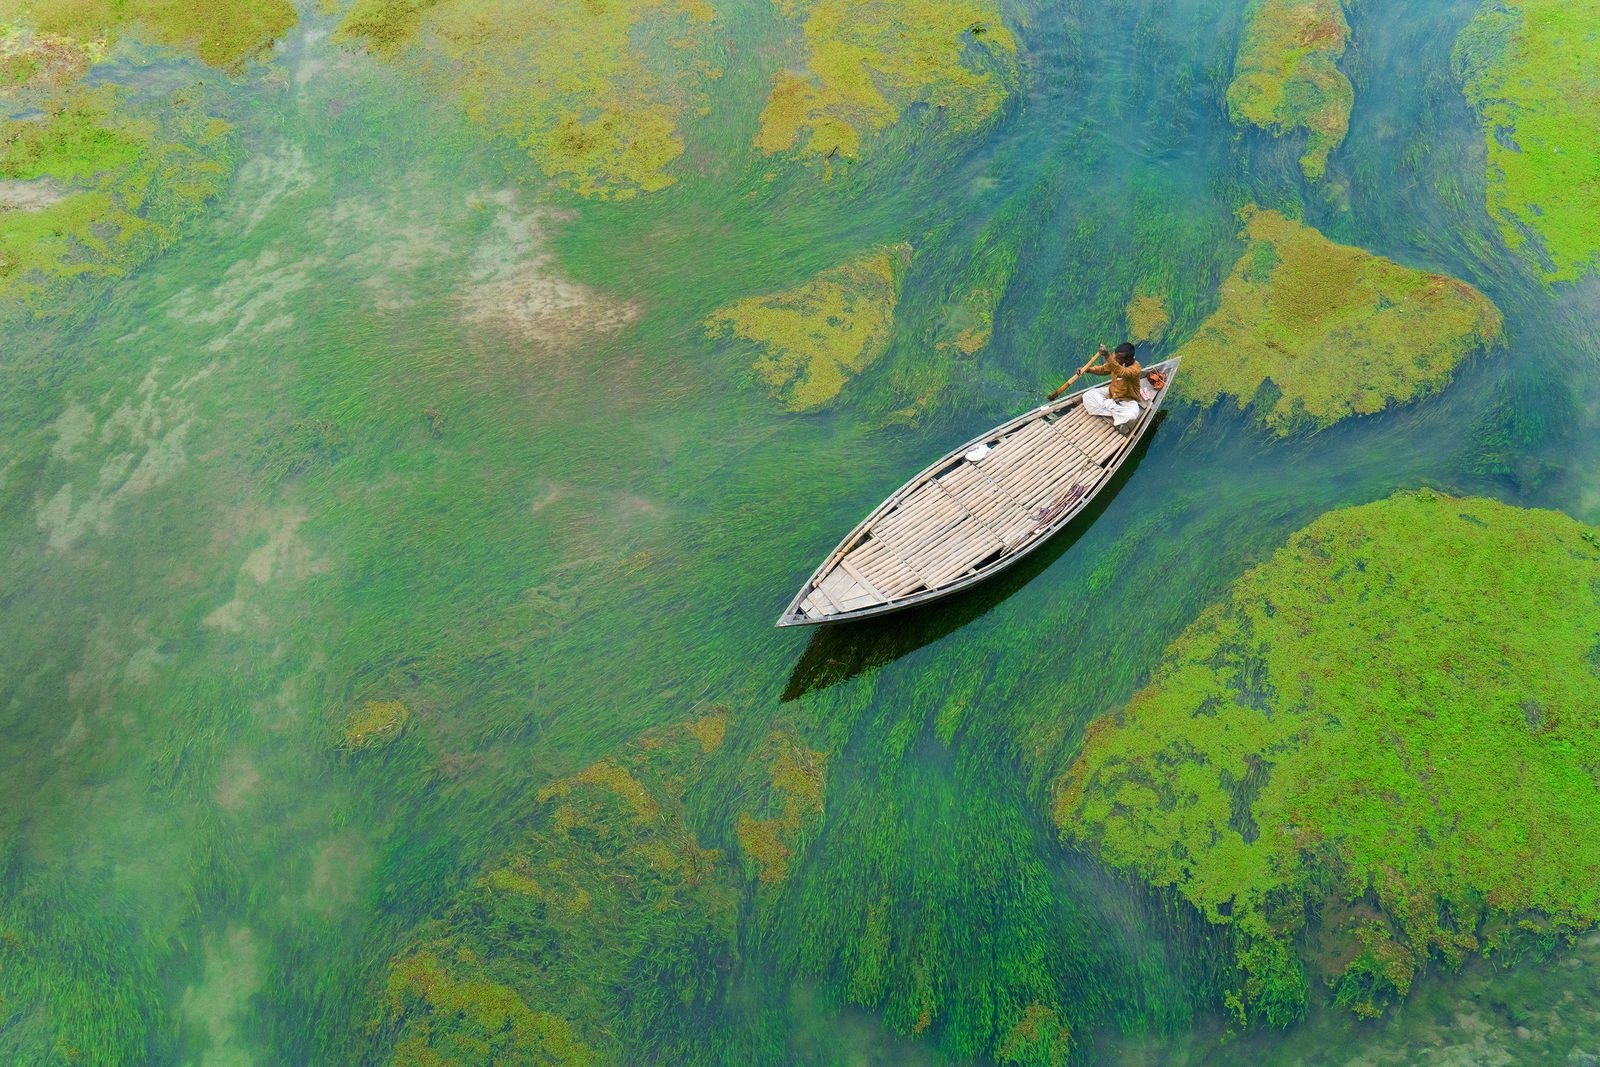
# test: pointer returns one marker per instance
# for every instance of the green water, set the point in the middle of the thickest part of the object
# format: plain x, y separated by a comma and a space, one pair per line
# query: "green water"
228, 521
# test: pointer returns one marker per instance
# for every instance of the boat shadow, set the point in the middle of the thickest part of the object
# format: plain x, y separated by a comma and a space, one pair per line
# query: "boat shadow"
841, 651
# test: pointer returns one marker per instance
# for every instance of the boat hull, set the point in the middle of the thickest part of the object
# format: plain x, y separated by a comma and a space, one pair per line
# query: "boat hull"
1032, 476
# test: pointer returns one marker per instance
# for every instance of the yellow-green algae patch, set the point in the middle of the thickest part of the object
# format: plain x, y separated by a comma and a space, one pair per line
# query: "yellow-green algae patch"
1335, 330
458, 1015
796, 775
1285, 76
593, 90
222, 33
118, 181
1390, 723
536, 960
817, 336
867, 61
374, 724
1039, 1037
1148, 318
1531, 69
42, 60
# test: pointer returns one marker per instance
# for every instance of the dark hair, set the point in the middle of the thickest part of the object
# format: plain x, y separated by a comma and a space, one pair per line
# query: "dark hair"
1124, 354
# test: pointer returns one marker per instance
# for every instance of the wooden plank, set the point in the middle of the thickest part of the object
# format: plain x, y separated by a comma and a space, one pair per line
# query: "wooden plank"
967, 538
824, 605
891, 571
983, 499
862, 580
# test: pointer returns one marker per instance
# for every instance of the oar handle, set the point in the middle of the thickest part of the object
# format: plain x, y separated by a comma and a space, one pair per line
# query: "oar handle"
1068, 383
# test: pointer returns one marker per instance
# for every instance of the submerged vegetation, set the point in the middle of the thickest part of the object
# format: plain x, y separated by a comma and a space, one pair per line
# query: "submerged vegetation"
817, 336
98, 184
595, 92
344, 683
1314, 332
1529, 69
222, 33
1286, 75
1362, 752
866, 63
545, 956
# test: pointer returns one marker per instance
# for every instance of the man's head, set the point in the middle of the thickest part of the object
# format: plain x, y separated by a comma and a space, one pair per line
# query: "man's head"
1124, 354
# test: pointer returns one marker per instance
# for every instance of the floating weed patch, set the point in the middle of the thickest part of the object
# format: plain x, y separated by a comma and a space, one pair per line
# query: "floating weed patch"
540, 959
867, 63
593, 90
1529, 70
1285, 76
819, 335
1329, 330
374, 724
42, 60
794, 799
1148, 318
1352, 724
224, 33
121, 180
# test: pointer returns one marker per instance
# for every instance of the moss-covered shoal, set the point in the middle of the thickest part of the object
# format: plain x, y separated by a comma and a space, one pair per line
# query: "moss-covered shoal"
1335, 330
222, 33
867, 62
1285, 76
1378, 747
593, 90
1531, 69
818, 335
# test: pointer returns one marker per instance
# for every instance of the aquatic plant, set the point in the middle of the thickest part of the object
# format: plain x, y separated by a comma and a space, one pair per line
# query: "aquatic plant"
600, 932
117, 184
374, 724
32, 60
595, 92
818, 335
1148, 318
795, 776
223, 34
1529, 69
1286, 76
1315, 331
1364, 749
866, 63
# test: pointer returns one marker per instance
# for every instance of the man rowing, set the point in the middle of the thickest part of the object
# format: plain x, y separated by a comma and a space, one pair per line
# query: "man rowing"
1119, 399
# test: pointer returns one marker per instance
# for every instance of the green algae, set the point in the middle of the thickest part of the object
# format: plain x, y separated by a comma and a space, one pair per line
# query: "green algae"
867, 63
129, 179
374, 724
594, 90
1529, 69
1335, 330
611, 883
1363, 745
795, 779
818, 335
1286, 76
1148, 318
456, 1015
42, 60
223, 34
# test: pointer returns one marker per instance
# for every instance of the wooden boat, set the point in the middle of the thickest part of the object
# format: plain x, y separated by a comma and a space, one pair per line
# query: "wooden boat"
972, 513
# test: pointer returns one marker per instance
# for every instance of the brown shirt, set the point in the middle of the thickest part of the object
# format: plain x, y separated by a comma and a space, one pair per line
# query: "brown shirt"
1124, 380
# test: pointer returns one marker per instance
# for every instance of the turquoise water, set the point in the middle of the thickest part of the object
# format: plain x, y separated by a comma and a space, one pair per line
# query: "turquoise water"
229, 519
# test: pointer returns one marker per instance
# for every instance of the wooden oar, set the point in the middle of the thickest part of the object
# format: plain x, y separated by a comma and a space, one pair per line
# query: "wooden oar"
1068, 383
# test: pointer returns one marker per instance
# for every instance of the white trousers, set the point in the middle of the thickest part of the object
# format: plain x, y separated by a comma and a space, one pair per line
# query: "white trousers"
1097, 401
